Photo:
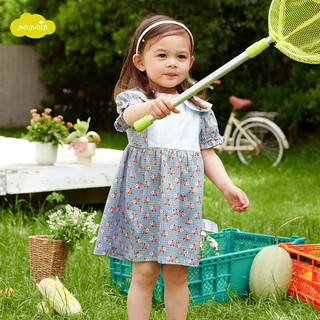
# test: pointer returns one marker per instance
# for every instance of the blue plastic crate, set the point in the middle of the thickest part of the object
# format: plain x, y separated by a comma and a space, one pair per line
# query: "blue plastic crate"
217, 277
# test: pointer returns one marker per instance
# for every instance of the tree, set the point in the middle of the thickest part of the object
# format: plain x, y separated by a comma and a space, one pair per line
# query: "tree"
81, 61
9, 11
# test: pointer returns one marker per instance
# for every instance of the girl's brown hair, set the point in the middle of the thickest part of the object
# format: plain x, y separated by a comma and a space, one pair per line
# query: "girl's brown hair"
130, 76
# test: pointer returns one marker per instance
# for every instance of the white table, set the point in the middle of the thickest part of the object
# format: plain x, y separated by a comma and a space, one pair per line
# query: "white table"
20, 174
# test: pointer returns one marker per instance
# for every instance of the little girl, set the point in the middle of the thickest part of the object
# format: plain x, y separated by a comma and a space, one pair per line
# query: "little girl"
153, 212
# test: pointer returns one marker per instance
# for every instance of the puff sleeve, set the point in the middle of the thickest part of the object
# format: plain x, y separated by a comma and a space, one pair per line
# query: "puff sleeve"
209, 131
124, 100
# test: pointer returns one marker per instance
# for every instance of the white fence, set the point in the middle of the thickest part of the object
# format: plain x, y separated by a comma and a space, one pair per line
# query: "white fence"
20, 87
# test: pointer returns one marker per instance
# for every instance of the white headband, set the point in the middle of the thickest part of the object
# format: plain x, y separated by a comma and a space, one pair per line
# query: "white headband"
163, 22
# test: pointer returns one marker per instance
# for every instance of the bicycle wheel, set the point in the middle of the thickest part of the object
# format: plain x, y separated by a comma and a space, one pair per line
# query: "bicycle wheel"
269, 150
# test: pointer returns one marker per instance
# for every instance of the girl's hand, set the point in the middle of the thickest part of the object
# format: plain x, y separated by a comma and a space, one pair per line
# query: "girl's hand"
162, 107
237, 199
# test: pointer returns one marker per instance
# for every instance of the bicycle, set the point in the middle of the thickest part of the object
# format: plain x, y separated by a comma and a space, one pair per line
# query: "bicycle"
255, 138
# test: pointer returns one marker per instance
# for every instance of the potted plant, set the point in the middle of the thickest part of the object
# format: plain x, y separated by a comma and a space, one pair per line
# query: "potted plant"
83, 142
47, 132
49, 253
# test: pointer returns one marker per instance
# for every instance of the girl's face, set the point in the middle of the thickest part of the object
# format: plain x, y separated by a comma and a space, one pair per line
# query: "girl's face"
166, 62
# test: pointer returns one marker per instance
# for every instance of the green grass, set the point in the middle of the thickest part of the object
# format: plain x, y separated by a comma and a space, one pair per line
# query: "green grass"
113, 140
276, 195
13, 132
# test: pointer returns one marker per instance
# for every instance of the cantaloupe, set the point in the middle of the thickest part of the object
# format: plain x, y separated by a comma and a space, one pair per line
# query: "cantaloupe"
271, 271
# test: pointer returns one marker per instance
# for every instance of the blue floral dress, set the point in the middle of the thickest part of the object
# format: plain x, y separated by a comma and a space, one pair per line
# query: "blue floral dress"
153, 210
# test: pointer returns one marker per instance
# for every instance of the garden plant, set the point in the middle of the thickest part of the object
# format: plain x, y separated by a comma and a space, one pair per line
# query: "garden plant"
47, 129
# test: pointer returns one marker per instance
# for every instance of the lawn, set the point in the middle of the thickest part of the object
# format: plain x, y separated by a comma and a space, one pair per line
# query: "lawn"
276, 195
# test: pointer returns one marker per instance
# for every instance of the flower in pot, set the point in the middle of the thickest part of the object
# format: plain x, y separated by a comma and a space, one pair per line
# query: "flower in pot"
70, 225
49, 253
83, 142
47, 132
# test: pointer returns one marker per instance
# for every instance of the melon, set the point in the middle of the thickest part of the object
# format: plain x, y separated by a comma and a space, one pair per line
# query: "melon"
271, 270
270, 273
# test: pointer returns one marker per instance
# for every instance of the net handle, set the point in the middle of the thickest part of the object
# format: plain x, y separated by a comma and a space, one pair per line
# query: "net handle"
251, 52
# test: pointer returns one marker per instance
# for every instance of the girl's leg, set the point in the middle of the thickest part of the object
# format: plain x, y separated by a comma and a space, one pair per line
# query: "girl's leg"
144, 277
176, 292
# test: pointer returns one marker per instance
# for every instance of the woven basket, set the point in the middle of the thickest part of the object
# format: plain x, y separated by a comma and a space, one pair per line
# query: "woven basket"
47, 258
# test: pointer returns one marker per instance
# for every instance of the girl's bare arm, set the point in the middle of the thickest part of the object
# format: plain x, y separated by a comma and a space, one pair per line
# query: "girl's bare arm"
216, 172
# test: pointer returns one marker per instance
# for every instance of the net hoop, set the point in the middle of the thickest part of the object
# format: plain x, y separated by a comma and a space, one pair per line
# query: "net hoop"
297, 57
294, 25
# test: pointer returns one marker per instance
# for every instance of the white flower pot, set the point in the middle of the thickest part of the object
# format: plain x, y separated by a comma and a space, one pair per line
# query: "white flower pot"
45, 153
86, 155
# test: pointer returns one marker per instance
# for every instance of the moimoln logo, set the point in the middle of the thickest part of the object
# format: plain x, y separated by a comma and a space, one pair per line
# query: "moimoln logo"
33, 26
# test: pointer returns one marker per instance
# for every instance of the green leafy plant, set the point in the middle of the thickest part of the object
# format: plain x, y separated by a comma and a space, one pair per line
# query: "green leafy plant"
70, 225
45, 128
80, 138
